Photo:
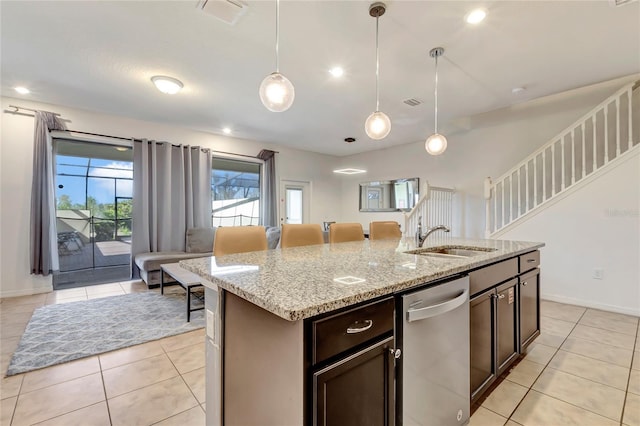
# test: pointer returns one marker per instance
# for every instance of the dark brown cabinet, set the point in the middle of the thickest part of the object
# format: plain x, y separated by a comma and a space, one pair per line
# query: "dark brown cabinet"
353, 366
494, 338
529, 307
357, 390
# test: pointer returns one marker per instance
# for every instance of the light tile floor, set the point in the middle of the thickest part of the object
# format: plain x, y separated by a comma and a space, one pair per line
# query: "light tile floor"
584, 369
159, 382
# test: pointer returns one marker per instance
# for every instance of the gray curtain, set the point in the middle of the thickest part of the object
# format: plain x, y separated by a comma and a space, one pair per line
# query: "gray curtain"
171, 193
42, 194
270, 202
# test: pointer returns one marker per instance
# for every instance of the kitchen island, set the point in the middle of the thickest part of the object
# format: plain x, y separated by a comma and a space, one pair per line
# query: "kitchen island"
263, 308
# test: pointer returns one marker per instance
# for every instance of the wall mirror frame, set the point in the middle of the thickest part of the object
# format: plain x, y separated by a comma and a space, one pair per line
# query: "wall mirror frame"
389, 195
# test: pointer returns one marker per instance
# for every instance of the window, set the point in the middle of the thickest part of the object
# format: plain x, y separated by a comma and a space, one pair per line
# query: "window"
235, 192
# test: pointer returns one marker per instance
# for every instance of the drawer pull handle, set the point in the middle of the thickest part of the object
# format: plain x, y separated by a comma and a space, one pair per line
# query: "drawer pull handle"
530, 260
353, 330
501, 296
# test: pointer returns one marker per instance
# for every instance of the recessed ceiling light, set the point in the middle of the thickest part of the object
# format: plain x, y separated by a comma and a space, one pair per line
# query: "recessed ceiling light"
168, 85
349, 171
476, 16
336, 72
518, 90
226, 131
22, 90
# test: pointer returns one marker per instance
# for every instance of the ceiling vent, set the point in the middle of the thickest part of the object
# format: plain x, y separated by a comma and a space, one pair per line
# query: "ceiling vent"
229, 11
412, 102
616, 3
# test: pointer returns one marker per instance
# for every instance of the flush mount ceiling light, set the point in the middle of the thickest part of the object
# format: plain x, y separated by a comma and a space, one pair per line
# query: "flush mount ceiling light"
349, 171
226, 131
168, 85
378, 124
276, 91
436, 144
122, 148
475, 16
337, 72
22, 90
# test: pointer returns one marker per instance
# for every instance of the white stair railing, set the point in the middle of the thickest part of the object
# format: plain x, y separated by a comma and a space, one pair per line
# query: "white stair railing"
435, 207
602, 135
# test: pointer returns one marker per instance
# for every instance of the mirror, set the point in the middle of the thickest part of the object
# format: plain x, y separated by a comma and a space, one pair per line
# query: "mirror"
389, 196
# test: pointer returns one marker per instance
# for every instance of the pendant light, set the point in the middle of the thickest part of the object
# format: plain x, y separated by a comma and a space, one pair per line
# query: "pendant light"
436, 144
378, 124
276, 91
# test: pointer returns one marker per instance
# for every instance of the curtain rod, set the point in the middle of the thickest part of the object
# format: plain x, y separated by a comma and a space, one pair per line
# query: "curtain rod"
110, 136
18, 108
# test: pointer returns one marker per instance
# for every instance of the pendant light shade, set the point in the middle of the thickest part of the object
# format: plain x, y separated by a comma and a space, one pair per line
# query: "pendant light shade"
276, 91
436, 144
378, 125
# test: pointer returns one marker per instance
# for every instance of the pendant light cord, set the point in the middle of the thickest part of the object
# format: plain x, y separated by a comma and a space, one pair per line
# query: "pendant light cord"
436, 96
277, 36
377, 68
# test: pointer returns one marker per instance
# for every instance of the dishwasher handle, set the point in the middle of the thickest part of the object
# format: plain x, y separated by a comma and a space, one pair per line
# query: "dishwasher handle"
438, 309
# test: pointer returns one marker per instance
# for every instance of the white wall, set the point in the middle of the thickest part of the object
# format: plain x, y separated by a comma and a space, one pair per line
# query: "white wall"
16, 148
484, 145
597, 225
470, 157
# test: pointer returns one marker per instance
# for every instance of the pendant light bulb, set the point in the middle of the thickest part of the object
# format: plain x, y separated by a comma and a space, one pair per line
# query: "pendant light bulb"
276, 91
436, 144
378, 125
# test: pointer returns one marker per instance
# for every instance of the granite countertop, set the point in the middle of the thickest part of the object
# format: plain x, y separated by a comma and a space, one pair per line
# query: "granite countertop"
301, 282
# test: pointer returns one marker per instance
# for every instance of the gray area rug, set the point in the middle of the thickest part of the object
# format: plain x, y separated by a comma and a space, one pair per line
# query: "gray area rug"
68, 331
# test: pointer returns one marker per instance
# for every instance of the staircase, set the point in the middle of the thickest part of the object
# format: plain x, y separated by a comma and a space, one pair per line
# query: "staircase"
435, 207
601, 137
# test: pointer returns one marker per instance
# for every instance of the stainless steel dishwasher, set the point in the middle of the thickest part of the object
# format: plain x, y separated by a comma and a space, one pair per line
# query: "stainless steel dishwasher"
433, 334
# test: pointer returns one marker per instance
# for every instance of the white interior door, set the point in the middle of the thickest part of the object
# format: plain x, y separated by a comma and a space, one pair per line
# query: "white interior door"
295, 201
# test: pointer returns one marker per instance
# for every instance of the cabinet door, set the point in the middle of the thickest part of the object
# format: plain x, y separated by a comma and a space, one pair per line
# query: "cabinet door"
357, 390
506, 324
482, 340
529, 307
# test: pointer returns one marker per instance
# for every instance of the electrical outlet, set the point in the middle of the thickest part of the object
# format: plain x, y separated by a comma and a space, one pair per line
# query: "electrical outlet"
598, 273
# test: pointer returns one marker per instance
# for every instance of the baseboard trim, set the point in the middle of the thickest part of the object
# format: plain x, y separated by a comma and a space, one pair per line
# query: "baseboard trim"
25, 292
590, 304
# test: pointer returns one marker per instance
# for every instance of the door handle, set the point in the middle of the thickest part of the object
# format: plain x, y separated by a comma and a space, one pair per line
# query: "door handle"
438, 309
524, 283
500, 296
367, 325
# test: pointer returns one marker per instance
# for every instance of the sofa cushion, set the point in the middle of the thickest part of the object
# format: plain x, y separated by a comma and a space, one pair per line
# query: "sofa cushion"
200, 240
152, 261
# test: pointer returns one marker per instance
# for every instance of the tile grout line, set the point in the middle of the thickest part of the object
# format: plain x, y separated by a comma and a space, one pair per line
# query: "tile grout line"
626, 395
104, 389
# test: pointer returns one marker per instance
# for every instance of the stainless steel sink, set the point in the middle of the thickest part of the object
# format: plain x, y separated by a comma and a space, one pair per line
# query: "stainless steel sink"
454, 252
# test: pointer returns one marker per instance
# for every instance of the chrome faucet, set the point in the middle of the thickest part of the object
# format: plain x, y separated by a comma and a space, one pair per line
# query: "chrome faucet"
420, 237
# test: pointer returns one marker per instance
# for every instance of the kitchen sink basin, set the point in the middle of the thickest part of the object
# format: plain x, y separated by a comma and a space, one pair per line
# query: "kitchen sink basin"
455, 252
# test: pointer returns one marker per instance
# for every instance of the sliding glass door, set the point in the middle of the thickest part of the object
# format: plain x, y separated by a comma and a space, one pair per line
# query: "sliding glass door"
93, 211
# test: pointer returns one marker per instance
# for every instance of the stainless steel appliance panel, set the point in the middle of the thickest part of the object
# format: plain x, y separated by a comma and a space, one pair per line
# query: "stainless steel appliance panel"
435, 355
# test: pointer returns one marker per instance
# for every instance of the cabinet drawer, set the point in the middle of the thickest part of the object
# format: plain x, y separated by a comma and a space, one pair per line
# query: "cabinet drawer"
486, 277
529, 261
338, 333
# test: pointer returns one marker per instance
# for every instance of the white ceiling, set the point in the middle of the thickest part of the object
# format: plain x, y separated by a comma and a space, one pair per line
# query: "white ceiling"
100, 56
